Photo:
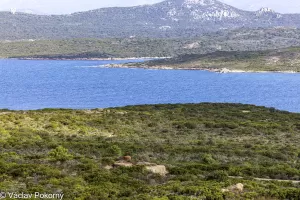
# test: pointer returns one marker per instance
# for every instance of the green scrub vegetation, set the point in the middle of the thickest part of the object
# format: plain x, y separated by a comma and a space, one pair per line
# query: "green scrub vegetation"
206, 148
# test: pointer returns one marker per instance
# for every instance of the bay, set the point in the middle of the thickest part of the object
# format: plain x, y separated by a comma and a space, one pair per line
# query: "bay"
37, 84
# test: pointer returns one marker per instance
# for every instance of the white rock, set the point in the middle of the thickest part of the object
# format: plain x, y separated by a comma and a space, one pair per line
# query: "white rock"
158, 169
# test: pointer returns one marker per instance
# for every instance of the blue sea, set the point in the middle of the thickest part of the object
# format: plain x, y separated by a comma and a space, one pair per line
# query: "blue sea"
37, 84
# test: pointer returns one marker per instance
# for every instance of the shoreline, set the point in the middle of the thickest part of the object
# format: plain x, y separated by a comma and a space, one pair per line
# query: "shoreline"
214, 70
223, 70
4, 111
91, 59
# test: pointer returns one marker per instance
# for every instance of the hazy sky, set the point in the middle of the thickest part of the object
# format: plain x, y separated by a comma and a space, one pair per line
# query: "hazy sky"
69, 6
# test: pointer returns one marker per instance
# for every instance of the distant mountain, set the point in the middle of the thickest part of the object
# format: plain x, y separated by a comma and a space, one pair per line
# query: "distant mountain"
170, 18
30, 11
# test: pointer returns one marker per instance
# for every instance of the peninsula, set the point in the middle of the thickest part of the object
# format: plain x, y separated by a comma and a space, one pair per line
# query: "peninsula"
280, 60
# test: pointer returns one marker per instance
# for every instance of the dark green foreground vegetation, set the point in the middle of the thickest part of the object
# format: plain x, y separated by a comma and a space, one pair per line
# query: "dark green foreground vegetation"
201, 145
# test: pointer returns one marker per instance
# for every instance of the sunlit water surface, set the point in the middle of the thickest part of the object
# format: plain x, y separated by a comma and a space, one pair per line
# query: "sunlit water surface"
27, 85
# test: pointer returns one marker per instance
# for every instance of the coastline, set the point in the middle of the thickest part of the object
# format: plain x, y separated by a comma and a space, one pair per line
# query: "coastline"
91, 59
214, 70
223, 70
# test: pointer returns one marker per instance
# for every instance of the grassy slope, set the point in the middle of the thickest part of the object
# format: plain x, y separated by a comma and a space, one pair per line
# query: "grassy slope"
201, 144
90, 48
270, 60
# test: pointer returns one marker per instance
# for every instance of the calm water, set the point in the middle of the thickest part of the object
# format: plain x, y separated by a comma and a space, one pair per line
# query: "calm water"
79, 84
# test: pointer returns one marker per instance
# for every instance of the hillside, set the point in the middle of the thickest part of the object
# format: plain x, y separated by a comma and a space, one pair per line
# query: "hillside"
237, 40
280, 60
205, 148
169, 18
90, 48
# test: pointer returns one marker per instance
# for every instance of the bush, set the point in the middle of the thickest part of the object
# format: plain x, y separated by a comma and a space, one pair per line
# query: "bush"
190, 125
114, 150
218, 175
60, 154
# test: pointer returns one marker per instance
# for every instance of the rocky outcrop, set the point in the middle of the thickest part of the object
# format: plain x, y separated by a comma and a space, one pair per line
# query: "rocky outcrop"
127, 158
108, 167
158, 169
145, 164
122, 164
154, 168
151, 167
238, 188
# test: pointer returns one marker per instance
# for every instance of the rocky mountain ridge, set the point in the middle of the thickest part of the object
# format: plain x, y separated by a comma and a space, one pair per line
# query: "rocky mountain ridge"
170, 18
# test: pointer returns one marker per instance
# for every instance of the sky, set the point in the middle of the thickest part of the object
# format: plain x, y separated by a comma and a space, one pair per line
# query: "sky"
69, 6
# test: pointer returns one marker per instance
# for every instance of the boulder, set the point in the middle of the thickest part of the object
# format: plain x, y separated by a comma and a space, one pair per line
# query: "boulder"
123, 164
224, 71
108, 167
154, 168
225, 190
145, 164
127, 158
158, 169
238, 188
